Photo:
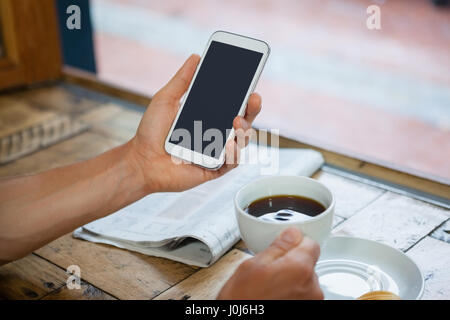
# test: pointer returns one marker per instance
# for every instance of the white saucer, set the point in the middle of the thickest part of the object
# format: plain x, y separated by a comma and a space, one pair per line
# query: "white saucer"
350, 267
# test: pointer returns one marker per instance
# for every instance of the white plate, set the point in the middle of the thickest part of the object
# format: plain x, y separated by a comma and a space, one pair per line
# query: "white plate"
350, 267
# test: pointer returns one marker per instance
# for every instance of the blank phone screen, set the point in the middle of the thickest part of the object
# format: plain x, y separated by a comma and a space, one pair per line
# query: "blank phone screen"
215, 98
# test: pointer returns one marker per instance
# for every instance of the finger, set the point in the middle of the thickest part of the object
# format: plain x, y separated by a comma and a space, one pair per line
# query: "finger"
253, 108
235, 157
307, 246
243, 131
232, 155
286, 241
243, 125
316, 291
240, 123
179, 83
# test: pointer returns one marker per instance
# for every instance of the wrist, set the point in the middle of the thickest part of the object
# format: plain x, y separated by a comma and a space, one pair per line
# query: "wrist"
138, 163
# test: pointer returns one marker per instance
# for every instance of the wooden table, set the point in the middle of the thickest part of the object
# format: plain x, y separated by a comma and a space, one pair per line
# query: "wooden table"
363, 210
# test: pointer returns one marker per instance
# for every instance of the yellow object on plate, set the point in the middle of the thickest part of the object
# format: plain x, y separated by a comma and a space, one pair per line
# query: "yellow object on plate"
379, 295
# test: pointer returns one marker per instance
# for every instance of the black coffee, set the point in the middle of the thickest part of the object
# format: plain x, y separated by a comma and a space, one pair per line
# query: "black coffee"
270, 204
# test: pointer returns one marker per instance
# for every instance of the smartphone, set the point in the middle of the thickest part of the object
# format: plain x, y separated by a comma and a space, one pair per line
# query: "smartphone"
225, 77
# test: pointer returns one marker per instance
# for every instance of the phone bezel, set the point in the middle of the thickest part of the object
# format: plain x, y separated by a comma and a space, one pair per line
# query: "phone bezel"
235, 40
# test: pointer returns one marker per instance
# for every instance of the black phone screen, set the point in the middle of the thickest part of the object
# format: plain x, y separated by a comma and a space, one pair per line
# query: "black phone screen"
215, 98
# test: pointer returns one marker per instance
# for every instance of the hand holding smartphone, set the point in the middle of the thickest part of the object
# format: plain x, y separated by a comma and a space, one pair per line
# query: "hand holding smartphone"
225, 77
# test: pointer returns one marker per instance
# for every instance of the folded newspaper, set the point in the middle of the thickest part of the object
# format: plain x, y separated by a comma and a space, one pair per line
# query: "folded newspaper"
197, 226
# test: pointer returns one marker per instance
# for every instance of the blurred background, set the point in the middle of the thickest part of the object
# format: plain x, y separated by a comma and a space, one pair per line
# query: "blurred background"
380, 95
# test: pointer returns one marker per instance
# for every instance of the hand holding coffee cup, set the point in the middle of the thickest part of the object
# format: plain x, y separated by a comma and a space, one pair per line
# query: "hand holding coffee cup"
265, 207
272, 213
285, 270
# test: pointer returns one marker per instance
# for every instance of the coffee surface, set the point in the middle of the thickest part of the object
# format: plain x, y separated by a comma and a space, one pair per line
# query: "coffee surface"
270, 204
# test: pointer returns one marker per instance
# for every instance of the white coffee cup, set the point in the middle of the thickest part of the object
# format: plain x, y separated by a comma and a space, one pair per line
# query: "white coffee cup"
258, 234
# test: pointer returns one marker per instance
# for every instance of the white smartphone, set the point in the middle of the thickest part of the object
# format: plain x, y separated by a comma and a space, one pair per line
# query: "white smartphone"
225, 77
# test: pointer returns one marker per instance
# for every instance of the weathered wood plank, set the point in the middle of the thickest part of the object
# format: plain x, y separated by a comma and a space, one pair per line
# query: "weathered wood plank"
443, 232
337, 220
128, 120
39, 136
122, 273
351, 196
121, 126
394, 219
56, 98
433, 258
91, 81
16, 115
126, 274
30, 278
86, 292
382, 171
206, 283
78, 148
101, 113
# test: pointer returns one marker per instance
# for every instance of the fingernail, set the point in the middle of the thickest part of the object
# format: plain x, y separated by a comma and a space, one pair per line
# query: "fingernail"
290, 235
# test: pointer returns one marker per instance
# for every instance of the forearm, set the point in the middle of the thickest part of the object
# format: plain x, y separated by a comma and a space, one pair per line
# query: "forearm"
37, 209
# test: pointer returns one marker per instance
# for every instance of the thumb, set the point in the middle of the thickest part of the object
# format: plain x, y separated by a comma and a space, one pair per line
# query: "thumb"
180, 82
286, 241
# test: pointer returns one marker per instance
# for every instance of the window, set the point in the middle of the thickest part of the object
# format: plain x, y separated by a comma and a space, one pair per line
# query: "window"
381, 95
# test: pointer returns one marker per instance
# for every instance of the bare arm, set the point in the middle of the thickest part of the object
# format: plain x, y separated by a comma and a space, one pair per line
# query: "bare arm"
37, 209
